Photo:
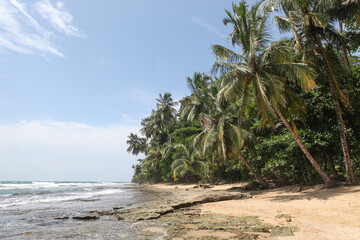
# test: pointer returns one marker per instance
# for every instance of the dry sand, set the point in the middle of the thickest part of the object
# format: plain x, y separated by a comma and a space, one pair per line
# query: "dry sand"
319, 213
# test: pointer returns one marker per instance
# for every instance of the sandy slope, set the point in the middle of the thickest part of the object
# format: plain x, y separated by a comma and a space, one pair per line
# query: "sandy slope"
320, 214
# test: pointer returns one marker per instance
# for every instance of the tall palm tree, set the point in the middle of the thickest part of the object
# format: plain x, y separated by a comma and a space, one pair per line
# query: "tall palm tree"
136, 144
197, 103
340, 11
225, 132
311, 21
188, 162
152, 126
262, 71
165, 108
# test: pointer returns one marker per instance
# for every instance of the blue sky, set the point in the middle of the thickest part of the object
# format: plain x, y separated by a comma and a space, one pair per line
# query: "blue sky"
76, 78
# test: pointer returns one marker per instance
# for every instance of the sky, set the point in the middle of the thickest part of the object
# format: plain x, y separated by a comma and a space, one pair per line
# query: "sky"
76, 77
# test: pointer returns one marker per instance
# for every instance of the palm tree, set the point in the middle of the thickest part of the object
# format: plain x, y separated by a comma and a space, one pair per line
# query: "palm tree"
152, 126
188, 162
340, 11
311, 22
225, 132
262, 71
136, 144
197, 103
165, 108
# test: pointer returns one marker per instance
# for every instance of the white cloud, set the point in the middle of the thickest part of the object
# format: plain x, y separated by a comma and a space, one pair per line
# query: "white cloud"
60, 19
59, 5
202, 22
53, 150
21, 32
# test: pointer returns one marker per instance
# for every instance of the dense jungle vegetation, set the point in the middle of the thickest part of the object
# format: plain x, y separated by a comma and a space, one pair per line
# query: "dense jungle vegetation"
271, 111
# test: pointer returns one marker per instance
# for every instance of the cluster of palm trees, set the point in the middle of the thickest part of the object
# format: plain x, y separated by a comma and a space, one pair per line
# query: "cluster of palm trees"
219, 123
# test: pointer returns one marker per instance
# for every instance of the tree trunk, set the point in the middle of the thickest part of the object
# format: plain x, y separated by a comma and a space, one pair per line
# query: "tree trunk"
304, 177
297, 38
327, 180
343, 47
276, 175
350, 177
331, 165
256, 175
308, 170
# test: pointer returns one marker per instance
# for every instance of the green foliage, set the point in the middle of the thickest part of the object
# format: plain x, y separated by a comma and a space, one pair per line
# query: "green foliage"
227, 128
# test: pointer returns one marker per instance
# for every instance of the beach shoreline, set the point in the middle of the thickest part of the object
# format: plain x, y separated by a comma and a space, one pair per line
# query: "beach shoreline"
308, 212
226, 211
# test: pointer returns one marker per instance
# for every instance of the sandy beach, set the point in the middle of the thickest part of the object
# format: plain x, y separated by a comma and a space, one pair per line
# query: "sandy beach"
190, 211
313, 212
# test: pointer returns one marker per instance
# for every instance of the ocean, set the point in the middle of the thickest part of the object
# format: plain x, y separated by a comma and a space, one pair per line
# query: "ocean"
28, 210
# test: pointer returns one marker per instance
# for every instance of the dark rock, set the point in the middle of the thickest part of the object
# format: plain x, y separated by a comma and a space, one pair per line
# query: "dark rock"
62, 217
90, 216
117, 208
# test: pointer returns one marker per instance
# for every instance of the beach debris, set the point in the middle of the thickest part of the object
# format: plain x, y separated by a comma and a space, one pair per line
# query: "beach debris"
286, 216
283, 216
89, 216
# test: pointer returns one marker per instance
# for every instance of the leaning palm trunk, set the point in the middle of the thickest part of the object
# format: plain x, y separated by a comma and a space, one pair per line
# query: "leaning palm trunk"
343, 47
327, 180
256, 175
350, 177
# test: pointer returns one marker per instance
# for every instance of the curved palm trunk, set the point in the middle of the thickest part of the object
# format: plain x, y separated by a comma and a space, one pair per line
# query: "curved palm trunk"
327, 180
256, 175
350, 177
343, 47
297, 38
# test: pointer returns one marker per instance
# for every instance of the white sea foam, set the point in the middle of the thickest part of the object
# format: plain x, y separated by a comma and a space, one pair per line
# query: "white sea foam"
7, 202
50, 185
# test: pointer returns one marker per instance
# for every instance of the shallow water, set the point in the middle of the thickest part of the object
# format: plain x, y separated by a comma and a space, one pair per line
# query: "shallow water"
28, 210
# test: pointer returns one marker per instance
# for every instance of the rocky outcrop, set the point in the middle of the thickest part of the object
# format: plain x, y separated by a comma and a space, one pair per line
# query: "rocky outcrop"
89, 216
166, 201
